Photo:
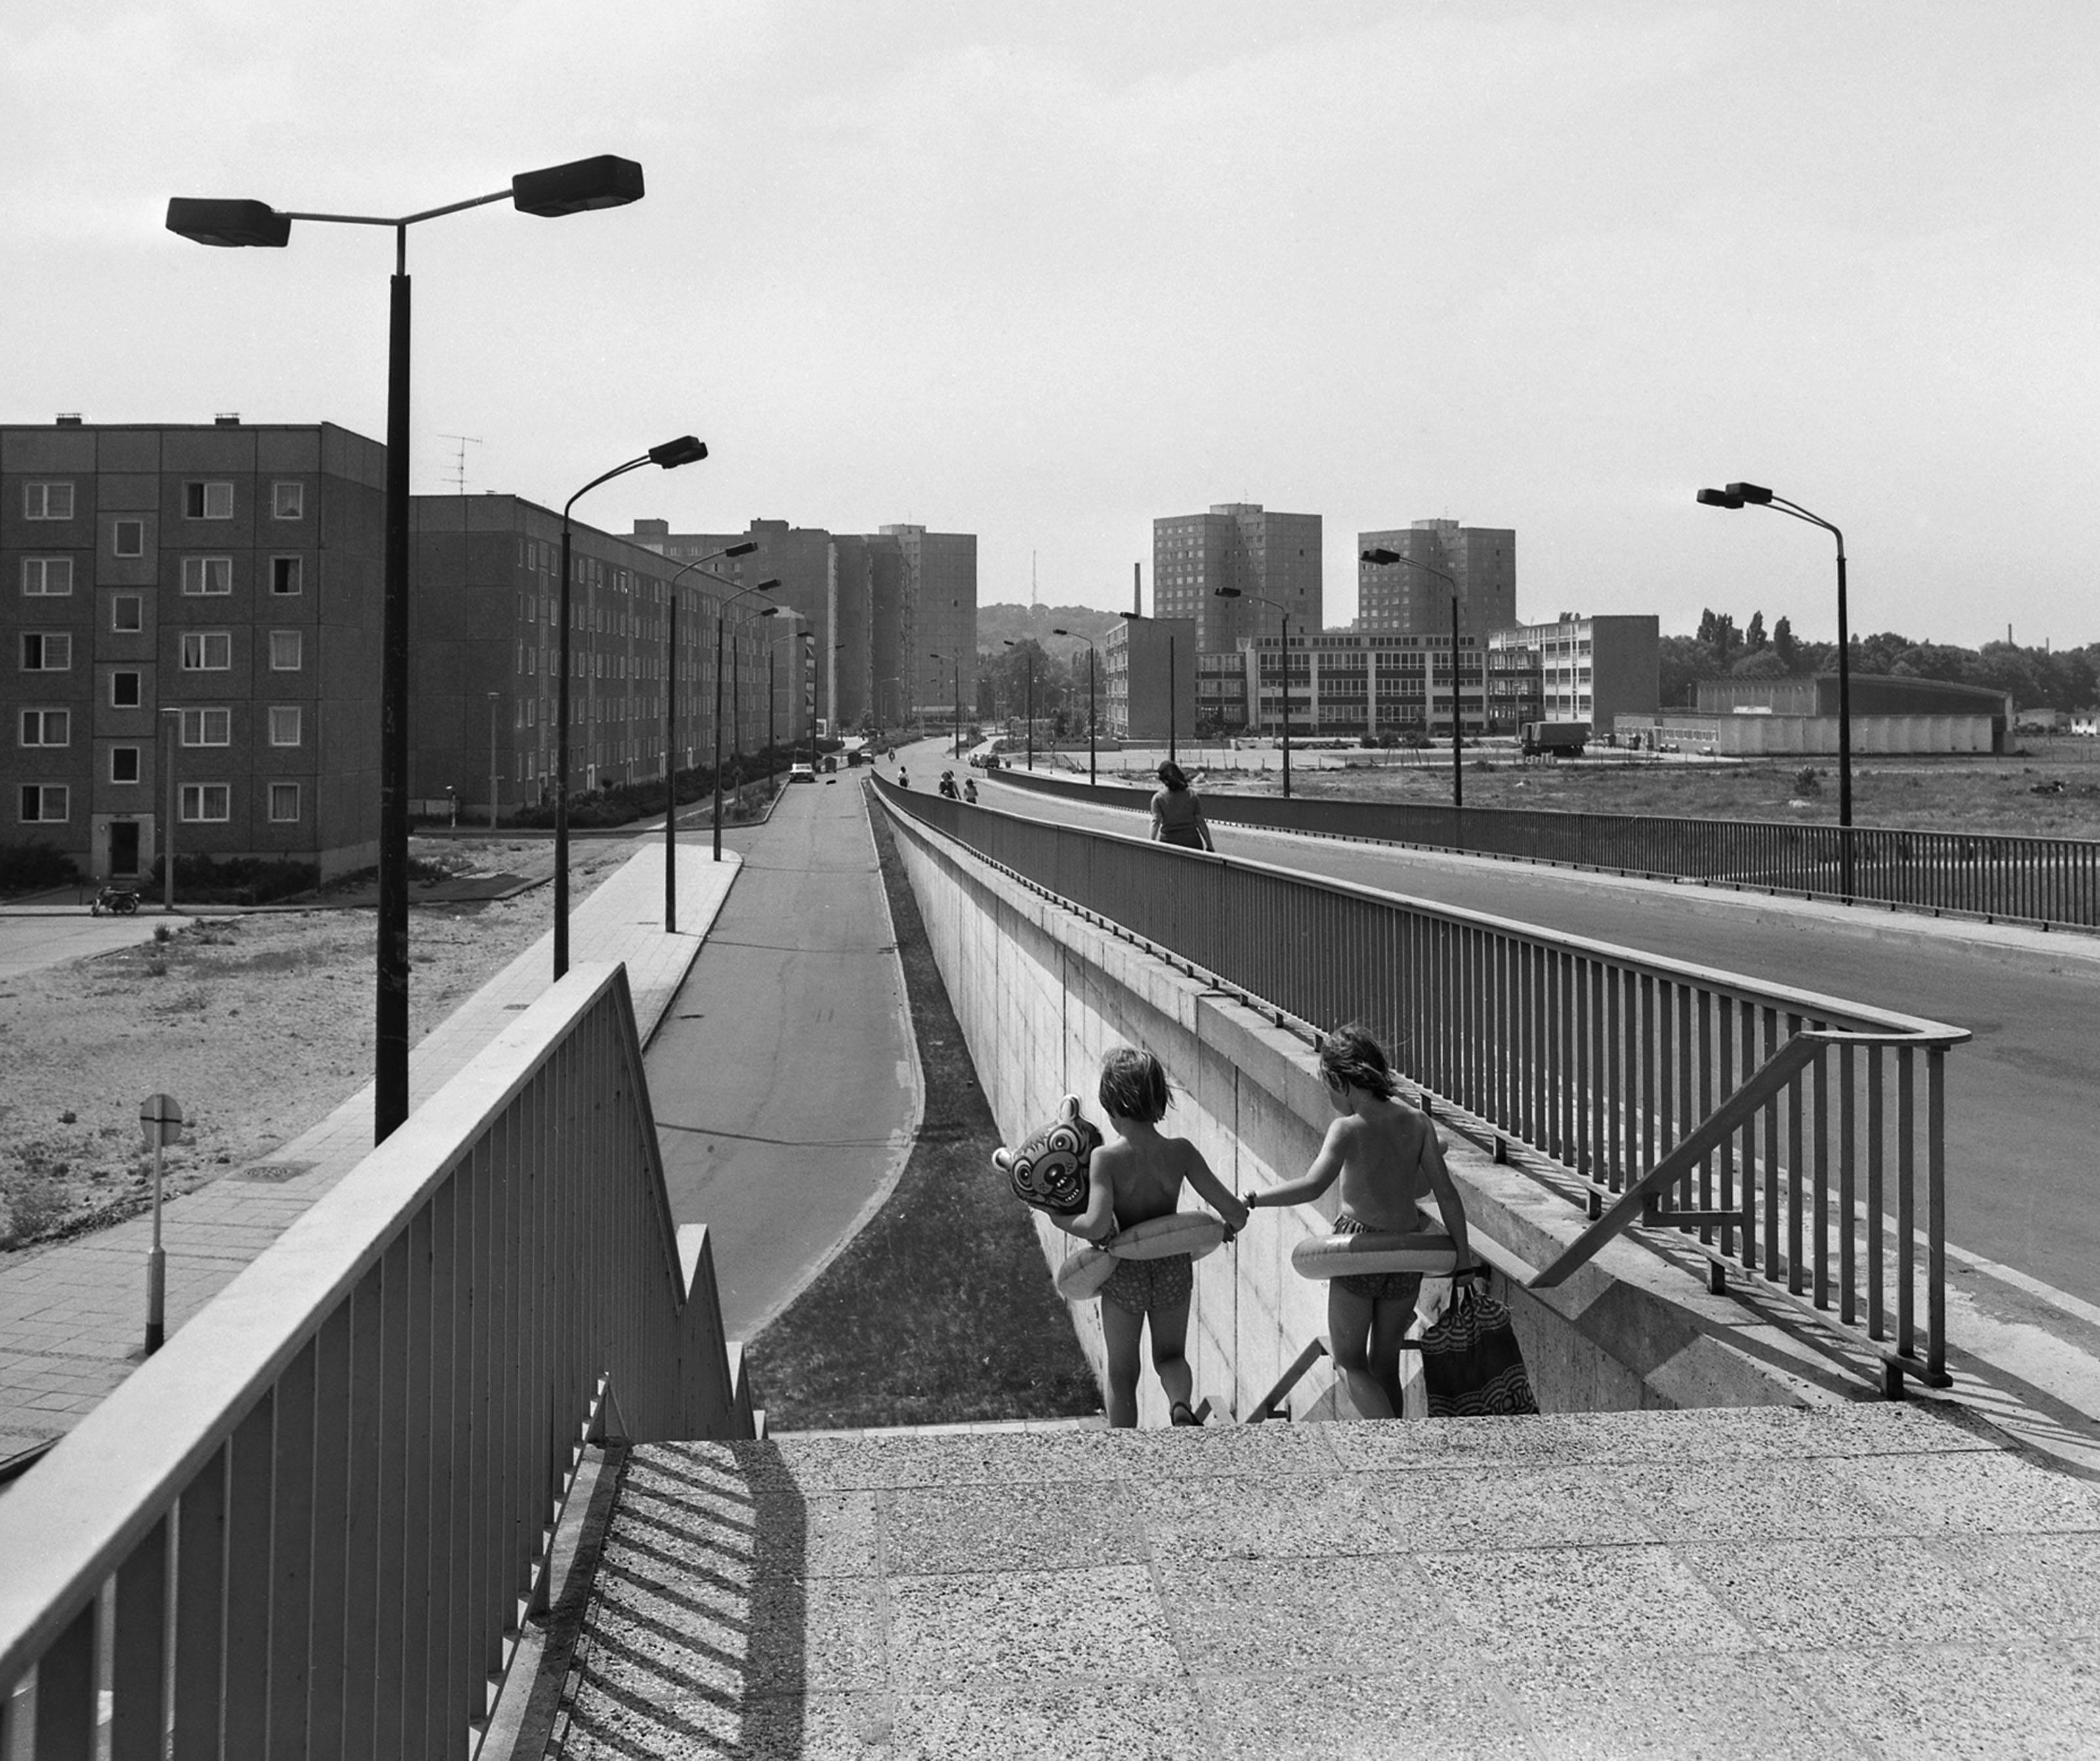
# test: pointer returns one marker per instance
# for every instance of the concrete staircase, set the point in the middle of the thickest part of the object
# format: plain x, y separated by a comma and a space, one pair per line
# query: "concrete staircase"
1875, 1580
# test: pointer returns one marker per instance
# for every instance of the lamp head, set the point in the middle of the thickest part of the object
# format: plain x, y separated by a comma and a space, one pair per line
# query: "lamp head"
1225, 593
1382, 558
770, 611
744, 549
684, 450
604, 181
1752, 492
1720, 498
768, 585
230, 224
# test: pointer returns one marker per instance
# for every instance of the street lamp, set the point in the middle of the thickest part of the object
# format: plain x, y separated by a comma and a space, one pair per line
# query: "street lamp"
670, 728
959, 702
604, 182
1755, 495
1385, 559
721, 615
494, 699
168, 842
1234, 592
1029, 655
1092, 779
684, 450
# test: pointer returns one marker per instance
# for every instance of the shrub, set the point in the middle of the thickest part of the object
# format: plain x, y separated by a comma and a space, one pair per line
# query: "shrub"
237, 880
36, 867
1808, 781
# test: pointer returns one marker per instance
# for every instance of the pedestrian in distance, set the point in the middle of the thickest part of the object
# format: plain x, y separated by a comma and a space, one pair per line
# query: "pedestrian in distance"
903, 782
970, 789
1137, 1177
1387, 1158
948, 786
1177, 816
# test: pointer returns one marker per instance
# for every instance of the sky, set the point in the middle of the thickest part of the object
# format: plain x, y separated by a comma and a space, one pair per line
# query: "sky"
1048, 272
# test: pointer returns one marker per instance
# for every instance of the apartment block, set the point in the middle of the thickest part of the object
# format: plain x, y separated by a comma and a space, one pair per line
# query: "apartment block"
1591, 669
1148, 679
1272, 560
1408, 597
939, 593
190, 614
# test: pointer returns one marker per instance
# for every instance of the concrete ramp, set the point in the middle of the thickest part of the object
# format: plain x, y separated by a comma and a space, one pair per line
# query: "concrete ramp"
1874, 1580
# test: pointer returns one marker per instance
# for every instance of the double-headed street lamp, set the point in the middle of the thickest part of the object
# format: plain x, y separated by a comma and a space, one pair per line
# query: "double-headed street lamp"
684, 450
1091, 778
1385, 559
670, 728
1234, 592
605, 182
1030, 700
1756, 496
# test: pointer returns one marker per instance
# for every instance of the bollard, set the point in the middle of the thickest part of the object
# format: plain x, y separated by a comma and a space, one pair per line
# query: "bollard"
160, 1118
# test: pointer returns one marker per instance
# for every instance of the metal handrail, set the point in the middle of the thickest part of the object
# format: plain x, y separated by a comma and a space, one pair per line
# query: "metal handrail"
1595, 1062
1993, 875
1264, 1408
309, 1520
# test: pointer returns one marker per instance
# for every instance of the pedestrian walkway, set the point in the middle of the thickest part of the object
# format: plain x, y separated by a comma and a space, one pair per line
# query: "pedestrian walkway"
72, 1315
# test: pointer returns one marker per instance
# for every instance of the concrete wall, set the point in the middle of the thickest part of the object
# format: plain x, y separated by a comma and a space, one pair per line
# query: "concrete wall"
1041, 993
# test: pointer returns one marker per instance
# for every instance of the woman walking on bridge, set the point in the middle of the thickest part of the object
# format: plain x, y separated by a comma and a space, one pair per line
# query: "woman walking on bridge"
1177, 816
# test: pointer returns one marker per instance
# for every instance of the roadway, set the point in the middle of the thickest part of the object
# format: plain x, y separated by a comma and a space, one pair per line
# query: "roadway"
2022, 1105
784, 1076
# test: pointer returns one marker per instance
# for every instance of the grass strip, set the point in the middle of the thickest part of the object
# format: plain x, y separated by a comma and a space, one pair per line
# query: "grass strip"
941, 1310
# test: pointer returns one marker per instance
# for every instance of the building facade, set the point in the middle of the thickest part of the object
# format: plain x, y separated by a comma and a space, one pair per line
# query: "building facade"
1591, 669
1266, 556
1345, 685
1480, 560
192, 613
1148, 680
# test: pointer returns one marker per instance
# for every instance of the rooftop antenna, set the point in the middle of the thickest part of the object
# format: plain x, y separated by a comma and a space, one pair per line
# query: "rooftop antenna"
462, 442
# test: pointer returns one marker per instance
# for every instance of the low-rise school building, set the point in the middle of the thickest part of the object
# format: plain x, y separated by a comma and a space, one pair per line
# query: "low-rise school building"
1347, 685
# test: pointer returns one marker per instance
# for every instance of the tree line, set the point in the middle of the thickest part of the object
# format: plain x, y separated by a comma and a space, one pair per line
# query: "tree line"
2038, 678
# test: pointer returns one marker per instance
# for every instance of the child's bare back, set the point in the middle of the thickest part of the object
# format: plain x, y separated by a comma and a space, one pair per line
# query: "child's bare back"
1144, 1174
1385, 1151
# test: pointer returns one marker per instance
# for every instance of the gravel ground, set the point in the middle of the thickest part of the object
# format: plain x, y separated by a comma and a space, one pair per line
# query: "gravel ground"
260, 1025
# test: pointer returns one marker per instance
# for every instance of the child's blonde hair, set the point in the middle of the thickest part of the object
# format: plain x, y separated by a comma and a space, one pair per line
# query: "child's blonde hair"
1133, 1086
1349, 1057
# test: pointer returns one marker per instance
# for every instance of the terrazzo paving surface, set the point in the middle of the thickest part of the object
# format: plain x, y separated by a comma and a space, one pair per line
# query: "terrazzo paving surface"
1882, 1581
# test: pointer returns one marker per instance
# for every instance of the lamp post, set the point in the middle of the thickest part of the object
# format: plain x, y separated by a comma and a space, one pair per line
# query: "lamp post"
1030, 700
959, 701
721, 617
1092, 779
1756, 496
1235, 592
670, 728
494, 699
167, 840
684, 450
604, 182
1385, 559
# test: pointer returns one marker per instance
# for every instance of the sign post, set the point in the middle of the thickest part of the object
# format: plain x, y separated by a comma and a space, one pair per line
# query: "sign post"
160, 1121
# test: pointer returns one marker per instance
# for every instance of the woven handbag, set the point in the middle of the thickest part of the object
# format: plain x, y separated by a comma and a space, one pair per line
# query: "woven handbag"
1471, 1364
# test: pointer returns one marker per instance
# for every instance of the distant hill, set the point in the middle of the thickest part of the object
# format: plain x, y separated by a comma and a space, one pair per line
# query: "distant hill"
1015, 623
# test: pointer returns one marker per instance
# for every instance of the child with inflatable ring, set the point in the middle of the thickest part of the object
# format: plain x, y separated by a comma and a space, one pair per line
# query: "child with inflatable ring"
1388, 1159
1136, 1178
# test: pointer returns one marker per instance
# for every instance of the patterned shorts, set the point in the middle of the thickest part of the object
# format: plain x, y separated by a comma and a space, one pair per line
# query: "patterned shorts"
1141, 1286
1376, 1287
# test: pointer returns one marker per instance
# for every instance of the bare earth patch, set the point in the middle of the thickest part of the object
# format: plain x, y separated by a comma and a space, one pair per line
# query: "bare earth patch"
260, 1025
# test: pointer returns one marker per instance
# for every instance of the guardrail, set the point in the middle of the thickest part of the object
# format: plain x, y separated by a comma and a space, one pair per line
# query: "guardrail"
2049, 881
1779, 1124
311, 1524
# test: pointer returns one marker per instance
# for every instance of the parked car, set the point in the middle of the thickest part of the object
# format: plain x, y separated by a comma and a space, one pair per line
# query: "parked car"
800, 774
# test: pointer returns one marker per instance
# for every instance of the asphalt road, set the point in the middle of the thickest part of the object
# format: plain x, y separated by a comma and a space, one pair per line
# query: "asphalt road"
783, 1076
2023, 1099
32, 940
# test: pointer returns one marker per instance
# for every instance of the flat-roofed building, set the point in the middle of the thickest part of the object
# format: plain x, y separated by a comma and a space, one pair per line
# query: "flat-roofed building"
1345, 684
1480, 560
1148, 679
1591, 669
1240, 544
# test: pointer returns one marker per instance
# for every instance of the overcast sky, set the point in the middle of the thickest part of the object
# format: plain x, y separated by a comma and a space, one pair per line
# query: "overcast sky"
1046, 272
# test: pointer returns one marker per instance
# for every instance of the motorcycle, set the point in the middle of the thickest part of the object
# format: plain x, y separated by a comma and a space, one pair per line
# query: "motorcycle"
119, 901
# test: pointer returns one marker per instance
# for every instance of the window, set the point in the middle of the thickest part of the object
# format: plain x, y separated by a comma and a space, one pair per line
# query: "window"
284, 802
207, 574
285, 573
208, 501
207, 727
207, 651
43, 802
45, 651
284, 651
128, 538
47, 577
127, 614
48, 501
124, 764
284, 724
287, 501
47, 727
204, 801
124, 690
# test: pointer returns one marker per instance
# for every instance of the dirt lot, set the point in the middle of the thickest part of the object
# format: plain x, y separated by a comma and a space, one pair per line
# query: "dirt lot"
259, 1025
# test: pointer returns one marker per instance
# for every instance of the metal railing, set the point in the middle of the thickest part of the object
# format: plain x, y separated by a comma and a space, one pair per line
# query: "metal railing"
1987, 875
311, 1524
1781, 1125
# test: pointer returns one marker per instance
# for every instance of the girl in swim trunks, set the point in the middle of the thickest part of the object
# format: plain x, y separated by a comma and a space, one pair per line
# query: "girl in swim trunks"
1388, 1160
1138, 1176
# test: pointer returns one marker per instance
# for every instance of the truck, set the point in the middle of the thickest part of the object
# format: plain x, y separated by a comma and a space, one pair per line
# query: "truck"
1562, 739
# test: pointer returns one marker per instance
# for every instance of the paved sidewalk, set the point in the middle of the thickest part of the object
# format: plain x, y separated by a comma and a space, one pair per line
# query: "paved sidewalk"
72, 1316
